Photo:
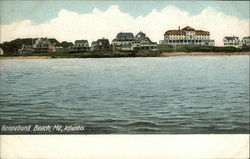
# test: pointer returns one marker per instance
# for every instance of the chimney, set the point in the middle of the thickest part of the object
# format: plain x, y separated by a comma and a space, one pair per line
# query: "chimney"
179, 28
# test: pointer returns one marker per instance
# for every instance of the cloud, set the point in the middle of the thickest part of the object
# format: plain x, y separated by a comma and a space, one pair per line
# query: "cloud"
97, 24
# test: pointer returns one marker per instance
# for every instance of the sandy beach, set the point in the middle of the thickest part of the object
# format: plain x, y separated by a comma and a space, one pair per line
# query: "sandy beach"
25, 57
164, 54
204, 53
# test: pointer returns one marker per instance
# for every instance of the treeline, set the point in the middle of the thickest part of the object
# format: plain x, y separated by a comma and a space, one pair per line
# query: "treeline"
12, 47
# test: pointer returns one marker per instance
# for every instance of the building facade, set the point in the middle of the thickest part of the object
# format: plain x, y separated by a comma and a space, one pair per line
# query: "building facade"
43, 45
80, 46
232, 41
1, 51
246, 41
100, 44
144, 43
26, 49
187, 36
123, 42
129, 42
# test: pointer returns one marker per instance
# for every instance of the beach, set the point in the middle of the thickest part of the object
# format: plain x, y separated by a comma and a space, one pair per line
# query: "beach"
25, 57
164, 54
204, 53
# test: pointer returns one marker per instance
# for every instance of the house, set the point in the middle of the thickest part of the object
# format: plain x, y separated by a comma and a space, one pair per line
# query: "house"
43, 45
232, 41
100, 44
129, 42
246, 41
187, 36
80, 46
1, 51
144, 42
26, 49
83, 43
94, 46
123, 41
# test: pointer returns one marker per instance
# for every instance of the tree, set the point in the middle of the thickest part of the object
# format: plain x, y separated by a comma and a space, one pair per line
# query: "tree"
66, 44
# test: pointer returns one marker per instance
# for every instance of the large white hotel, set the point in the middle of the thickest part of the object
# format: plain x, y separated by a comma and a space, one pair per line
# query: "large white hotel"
187, 36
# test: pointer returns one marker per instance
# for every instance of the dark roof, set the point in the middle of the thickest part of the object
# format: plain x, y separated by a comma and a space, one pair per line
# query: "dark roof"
141, 36
124, 36
247, 37
175, 32
188, 28
231, 38
103, 42
81, 41
201, 32
94, 43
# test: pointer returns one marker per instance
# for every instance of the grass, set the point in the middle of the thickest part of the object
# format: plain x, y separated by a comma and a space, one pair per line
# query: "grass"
64, 53
190, 48
107, 54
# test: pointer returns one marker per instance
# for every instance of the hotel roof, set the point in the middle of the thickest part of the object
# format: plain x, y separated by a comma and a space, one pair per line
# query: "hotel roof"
124, 36
183, 31
231, 38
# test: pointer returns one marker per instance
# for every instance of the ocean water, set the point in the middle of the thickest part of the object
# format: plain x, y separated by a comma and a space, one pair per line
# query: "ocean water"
166, 95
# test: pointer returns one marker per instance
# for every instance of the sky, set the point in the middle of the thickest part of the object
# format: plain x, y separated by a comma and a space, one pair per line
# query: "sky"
91, 20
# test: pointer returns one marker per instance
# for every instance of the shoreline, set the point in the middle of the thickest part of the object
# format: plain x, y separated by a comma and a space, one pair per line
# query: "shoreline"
164, 54
25, 57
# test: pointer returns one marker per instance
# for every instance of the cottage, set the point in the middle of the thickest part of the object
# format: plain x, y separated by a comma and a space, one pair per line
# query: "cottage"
187, 36
123, 42
26, 49
43, 45
80, 46
93, 45
232, 41
100, 44
246, 41
129, 42
144, 42
1, 51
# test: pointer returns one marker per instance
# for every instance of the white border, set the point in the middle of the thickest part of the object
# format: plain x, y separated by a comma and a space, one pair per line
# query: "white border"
124, 146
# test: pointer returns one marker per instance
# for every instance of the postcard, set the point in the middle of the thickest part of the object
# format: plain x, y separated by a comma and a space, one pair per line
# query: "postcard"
148, 74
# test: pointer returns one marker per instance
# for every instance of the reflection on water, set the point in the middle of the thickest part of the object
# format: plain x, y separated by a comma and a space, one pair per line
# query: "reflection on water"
129, 95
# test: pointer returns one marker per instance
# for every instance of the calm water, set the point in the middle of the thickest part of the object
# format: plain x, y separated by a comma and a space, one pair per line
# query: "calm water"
128, 95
